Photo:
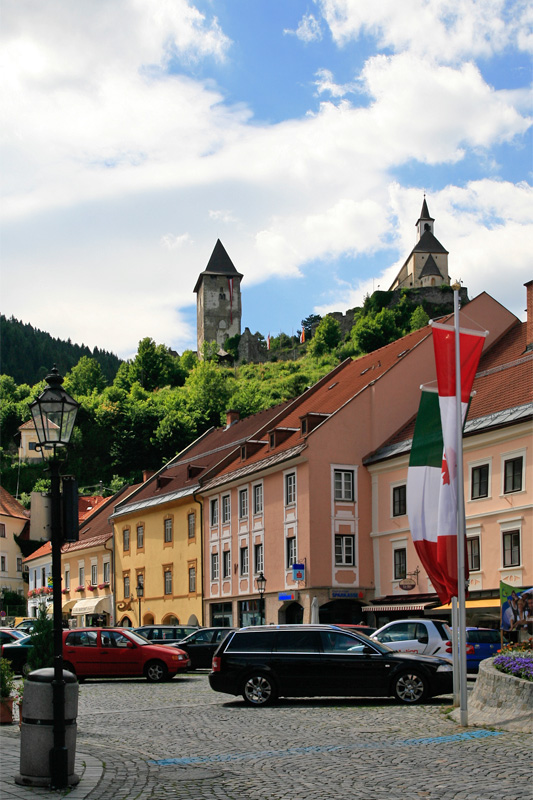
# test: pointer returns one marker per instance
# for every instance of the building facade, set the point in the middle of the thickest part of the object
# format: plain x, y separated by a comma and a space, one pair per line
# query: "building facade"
427, 263
14, 525
218, 300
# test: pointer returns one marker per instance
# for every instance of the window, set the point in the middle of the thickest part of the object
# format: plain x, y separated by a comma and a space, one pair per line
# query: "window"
192, 579
290, 488
258, 498
513, 475
511, 548
126, 585
43, 576
167, 536
140, 536
226, 509
258, 558
214, 512
214, 566
226, 564
291, 551
472, 548
81, 576
243, 503
107, 569
399, 507
67, 579
244, 561
2, 530
3, 564
400, 563
126, 539
191, 525
343, 482
94, 574
345, 551
480, 481
168, 581
19, 563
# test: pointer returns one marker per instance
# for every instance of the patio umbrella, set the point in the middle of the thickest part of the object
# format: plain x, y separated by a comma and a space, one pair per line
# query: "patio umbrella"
314, 611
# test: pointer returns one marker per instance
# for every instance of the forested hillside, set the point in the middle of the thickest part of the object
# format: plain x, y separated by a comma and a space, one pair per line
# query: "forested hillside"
28, 353
159, 402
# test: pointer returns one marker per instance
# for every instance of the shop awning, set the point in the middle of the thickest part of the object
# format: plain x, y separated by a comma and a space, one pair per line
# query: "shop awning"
90, 605
68, 605
397, 607
488, 602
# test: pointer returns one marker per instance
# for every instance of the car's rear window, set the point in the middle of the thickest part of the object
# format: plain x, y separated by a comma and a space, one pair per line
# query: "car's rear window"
82, 639
443, 629
483, 637
252, 641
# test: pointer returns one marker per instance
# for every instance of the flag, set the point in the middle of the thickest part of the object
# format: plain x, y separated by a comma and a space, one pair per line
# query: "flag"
471, 345
423, 489
302, 336
268, 342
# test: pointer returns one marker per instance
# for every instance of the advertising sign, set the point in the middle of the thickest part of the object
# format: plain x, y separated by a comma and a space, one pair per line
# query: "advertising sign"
517, 608
298, 572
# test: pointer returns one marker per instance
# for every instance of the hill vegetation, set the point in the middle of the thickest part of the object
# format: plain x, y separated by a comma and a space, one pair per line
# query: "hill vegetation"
158, 402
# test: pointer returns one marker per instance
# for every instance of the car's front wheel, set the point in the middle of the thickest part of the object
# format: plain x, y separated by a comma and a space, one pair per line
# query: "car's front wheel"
259, 690
155, 672
410, 688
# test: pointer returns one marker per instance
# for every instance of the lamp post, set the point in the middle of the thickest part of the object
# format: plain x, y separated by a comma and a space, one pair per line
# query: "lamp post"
140, 593
261, 583
54, 414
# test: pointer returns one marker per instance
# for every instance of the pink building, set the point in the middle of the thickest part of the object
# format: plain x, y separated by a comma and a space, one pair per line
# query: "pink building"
297, 491
498, 489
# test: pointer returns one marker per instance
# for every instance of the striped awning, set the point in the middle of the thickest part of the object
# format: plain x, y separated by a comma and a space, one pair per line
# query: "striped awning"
397, 607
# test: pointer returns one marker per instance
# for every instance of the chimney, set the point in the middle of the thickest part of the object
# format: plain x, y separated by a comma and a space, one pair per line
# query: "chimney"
529, 318
147, 474
231, 417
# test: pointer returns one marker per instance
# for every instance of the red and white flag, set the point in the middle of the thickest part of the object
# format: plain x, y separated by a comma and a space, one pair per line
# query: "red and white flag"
470, 347
302, 336
268, 342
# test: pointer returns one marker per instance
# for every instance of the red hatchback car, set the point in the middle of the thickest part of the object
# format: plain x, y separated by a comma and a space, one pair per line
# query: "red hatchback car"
119, 653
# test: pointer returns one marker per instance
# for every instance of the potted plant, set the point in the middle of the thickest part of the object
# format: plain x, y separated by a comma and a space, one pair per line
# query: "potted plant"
7, 684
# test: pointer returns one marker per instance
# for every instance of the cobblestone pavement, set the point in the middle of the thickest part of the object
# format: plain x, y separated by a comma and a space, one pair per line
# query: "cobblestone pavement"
139, 741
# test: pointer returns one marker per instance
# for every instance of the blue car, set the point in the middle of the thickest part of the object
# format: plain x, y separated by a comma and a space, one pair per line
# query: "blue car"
481, 643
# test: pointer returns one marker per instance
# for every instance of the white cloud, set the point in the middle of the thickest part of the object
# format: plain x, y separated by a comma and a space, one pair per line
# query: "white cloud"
325, 83
223, 215
308, 29
440, 30
175, 242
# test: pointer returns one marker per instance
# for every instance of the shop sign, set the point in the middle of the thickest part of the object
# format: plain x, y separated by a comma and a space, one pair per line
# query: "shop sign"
407, 584
340, 595
298, 572
287, 595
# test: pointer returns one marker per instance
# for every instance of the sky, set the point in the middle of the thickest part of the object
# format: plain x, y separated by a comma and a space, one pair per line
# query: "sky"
301, 133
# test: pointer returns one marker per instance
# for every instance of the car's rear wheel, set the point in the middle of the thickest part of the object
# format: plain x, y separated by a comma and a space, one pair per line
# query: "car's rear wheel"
155, 672
69, 667
410, 688
259, 689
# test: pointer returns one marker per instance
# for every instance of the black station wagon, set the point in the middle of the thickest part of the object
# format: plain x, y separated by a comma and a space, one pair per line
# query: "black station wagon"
266, 662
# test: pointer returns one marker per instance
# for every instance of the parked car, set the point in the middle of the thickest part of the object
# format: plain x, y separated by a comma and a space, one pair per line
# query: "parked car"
165, 634
430, 637
9, 635
266, 662
119, 653
26, 626
17, 653
202, 644
481, 643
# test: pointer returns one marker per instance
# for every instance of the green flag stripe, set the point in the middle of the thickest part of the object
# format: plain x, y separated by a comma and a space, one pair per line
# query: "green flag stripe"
428, 445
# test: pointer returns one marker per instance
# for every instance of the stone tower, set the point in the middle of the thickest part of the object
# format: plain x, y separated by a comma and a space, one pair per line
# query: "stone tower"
218, 300
427, 264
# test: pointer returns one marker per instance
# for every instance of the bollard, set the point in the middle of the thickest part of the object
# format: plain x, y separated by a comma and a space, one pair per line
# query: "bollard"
37, 728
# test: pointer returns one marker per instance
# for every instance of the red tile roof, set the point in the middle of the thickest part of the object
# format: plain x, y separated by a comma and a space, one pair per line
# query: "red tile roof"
44, 550
10, 507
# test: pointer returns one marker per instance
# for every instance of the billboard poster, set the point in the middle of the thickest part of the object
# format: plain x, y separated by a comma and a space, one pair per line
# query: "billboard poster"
517, 609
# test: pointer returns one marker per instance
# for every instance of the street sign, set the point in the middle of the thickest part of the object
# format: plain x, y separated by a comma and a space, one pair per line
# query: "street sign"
298, 572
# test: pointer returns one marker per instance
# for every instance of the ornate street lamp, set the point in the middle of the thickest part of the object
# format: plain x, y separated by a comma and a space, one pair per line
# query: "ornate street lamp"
261, 583
54, 414
140, 593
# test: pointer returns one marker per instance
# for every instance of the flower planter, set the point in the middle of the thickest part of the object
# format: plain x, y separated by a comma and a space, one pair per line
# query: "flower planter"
6, 711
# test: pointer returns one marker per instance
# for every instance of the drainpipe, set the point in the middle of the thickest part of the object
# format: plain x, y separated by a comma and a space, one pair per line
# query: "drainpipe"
200, 503
112, 575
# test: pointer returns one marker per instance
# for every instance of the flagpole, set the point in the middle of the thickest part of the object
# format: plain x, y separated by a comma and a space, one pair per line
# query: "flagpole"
455, 653
461, 521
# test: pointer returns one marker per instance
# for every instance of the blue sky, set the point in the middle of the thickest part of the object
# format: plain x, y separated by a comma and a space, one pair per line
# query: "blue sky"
302, 134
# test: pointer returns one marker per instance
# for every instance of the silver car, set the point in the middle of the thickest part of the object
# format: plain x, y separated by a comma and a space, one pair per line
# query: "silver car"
429, 637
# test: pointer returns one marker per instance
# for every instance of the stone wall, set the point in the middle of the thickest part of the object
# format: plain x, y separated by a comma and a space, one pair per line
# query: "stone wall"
500, 701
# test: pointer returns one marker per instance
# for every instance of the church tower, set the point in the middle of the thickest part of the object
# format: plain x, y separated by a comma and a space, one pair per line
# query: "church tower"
427, 264
218, 300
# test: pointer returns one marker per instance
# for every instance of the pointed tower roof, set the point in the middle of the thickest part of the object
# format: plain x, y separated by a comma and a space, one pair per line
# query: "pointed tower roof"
424, 214
219, 264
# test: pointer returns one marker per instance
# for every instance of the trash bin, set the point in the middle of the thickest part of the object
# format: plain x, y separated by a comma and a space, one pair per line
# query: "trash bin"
37, 728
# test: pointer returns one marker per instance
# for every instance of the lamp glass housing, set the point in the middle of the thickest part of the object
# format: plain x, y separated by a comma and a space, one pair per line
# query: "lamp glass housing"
261, 583
54, 413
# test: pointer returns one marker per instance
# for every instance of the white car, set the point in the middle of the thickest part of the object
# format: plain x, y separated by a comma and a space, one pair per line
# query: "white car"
430, 637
